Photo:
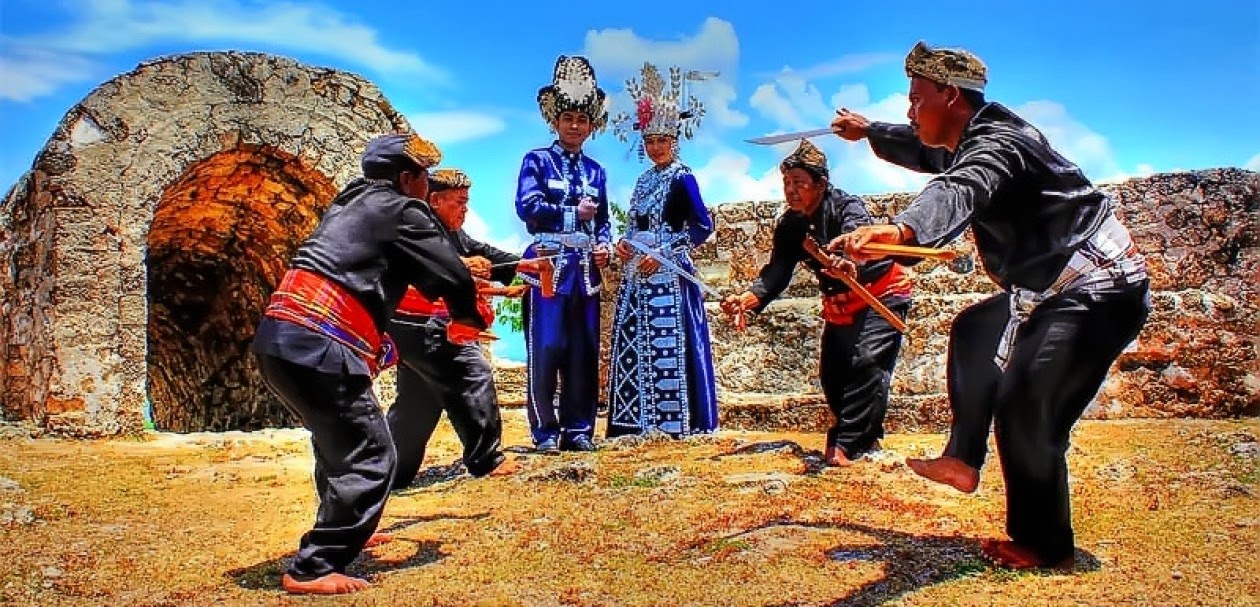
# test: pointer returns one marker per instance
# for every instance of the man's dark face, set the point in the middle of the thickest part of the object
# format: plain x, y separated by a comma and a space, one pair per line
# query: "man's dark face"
929, 110
450, 206
802, 190
414, 183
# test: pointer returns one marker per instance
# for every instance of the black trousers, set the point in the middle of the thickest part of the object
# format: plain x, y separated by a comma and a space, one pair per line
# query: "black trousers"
1061, 358
435, 375
354, 460
855, 368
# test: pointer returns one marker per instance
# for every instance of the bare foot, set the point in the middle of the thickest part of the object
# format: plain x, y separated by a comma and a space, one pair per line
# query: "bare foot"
379, 538
1005, 553
947, 470
333, 583
837, 457
507, 468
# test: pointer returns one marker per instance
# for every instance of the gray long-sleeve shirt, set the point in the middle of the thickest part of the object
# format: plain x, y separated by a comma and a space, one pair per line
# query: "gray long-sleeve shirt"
1029, 208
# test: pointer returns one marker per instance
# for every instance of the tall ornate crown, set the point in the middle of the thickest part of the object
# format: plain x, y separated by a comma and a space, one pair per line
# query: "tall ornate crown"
659, 105
573, 88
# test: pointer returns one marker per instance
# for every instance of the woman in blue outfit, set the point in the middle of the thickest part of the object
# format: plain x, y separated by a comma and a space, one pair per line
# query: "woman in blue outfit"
661, 366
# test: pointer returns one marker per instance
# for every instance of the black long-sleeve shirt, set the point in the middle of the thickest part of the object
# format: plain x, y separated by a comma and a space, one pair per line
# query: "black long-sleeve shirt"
1029, 208
373, 241
838, 213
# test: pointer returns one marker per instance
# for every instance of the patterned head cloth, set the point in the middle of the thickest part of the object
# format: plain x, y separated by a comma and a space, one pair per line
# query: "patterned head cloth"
573, 88
807, 156
448, 179
955, 67
659, 105
388, 155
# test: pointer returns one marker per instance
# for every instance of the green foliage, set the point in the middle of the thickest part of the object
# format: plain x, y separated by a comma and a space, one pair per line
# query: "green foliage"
508, 309
620, 216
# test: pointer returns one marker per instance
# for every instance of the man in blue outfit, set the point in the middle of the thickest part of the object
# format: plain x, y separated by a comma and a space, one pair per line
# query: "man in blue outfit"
562, 198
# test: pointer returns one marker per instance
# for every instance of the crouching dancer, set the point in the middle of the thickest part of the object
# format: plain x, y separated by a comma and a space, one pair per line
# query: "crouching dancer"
321, 343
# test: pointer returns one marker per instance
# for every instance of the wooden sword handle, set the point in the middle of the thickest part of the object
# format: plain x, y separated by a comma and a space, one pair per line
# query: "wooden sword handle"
812, 247
909, 251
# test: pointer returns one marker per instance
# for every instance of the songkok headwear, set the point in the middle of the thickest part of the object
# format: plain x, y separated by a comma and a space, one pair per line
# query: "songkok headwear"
573, 88
448, 179
659, 106
955, 67
388, 155
807, 156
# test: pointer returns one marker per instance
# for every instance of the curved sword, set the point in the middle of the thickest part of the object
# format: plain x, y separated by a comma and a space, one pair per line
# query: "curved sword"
668, 264
773, 139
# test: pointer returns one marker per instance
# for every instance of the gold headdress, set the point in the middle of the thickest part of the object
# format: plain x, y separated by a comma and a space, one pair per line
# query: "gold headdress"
807, 156
955, 67
448, 179
386, 155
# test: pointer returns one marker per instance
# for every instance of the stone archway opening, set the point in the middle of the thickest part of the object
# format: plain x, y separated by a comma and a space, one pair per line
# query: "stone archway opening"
219, 242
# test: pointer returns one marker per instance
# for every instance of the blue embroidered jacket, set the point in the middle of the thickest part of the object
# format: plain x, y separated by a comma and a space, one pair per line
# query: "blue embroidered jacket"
551, 183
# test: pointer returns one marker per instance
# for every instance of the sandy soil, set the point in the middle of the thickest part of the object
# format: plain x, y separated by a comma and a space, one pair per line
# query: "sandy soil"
1167, 513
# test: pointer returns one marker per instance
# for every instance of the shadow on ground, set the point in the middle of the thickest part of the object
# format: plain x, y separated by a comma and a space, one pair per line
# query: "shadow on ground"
266, 575
914, 562
811, 458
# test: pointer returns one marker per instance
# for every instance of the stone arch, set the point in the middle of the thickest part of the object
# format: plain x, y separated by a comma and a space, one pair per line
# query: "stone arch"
142, 244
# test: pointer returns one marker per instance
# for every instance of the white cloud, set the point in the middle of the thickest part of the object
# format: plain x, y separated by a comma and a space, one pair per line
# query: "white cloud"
455, 126
618, 54
477, 227
790, 103
1085, 147
1253, 164
31, 72
727, 178
102, 27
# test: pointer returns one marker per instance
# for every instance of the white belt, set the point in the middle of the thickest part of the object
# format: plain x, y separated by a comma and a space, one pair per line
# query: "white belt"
1108, 260
572, 240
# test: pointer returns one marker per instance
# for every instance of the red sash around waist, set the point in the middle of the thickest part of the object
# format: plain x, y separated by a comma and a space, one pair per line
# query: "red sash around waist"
841, 308
312, 301
415, 304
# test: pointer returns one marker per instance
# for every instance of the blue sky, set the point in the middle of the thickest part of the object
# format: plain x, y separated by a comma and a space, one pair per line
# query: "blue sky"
1123, 89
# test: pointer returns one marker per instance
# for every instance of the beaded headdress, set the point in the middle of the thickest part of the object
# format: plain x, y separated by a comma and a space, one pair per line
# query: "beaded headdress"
573, 88
660, 107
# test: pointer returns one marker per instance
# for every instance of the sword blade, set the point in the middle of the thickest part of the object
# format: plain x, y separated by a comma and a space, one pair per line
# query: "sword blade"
512, 263
773, 139
673, 267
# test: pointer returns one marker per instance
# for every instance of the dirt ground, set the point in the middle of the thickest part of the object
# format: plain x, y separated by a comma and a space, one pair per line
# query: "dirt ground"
1166, 512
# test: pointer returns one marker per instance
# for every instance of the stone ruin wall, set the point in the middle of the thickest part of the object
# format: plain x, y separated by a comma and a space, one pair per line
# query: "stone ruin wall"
139, 251
137, 254
1198, 355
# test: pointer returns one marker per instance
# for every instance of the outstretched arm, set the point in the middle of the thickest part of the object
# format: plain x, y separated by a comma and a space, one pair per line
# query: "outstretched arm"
785, 253
895, 143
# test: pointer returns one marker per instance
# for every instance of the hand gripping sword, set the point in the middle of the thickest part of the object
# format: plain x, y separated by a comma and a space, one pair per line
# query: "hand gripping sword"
673, 267
815, 250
